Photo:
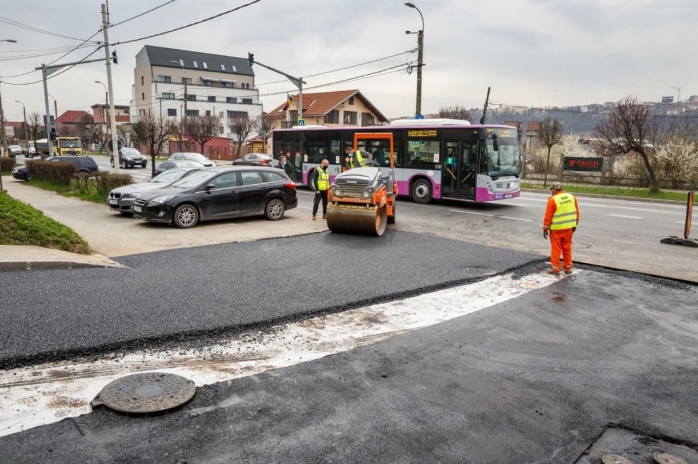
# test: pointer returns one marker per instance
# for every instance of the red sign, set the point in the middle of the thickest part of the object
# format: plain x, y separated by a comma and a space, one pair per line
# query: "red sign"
583, 164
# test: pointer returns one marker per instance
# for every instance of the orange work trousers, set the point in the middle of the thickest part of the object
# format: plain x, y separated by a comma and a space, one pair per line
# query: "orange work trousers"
561, 244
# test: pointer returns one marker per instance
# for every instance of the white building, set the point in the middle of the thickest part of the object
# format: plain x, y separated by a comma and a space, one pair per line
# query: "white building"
214, 84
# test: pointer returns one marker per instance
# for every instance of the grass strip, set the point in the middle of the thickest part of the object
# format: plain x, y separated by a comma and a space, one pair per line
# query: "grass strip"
613, 191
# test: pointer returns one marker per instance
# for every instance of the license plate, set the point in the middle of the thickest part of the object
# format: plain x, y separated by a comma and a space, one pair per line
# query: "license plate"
508, 196
137, 209
113, 202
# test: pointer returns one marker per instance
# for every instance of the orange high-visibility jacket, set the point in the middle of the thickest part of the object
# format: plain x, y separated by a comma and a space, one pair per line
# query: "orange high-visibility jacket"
552, 207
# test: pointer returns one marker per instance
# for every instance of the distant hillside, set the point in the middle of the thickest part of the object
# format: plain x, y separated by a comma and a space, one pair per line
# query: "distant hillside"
575, 123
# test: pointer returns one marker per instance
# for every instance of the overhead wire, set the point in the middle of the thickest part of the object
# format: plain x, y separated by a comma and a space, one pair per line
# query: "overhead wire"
56, 74
141, 14
34, 29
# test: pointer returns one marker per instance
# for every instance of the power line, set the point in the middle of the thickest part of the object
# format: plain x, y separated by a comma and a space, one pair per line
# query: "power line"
35, 29
188, 25
37, 55
342, 69
56, 74
142, 14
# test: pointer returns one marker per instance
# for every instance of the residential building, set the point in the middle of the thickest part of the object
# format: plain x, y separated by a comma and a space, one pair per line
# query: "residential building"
215, 85
101, 115
68, 123
340, 108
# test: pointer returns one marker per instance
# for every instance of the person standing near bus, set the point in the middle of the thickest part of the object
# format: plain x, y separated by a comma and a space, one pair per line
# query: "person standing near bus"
358, 158
322, 185
286, 166
561, 219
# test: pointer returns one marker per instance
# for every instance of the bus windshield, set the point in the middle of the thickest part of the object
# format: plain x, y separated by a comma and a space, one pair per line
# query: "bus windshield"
504, 162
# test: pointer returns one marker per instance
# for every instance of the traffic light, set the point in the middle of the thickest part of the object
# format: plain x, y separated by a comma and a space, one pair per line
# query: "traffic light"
250, 57
114, 58
52, 135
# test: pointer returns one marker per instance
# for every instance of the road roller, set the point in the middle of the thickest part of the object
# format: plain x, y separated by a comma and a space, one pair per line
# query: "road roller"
362, 200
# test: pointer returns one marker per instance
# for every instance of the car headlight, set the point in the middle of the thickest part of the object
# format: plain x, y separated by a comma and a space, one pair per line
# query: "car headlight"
159, 200
337, 191
128, 158
129, 195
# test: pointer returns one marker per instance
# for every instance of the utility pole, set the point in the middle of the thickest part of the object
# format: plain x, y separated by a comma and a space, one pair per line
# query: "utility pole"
110, 90
2, 129
55, 110
483, 119
420, 58
44, 74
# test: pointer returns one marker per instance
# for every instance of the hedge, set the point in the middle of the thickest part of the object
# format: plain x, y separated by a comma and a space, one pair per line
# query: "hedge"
100, 182
6, 164
50, 171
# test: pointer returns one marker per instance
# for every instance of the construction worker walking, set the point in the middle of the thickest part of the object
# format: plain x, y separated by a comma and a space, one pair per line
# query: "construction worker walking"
358, 158
322, 185
561, 219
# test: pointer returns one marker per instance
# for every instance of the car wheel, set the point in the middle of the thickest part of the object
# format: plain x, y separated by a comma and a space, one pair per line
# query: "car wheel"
186, 216
27, 176
275, 209
421, 191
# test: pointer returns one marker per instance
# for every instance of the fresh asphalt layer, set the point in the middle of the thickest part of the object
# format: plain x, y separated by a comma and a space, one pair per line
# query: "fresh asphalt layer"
535, 379
182, 294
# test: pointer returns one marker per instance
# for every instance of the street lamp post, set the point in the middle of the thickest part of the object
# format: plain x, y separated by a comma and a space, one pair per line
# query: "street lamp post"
26, 137
106, 108
420, 59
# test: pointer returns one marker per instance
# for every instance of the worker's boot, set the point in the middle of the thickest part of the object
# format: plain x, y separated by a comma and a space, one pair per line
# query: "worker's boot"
324, 216
314, 218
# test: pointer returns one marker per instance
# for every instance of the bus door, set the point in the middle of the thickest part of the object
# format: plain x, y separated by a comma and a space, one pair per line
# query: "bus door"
292, 150
458, 176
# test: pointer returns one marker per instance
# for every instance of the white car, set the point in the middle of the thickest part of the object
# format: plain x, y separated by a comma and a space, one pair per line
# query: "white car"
188, 156
14, 150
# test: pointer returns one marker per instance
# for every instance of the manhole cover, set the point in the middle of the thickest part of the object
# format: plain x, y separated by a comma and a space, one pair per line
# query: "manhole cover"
148, 392
614, 459
666, 458
582, 245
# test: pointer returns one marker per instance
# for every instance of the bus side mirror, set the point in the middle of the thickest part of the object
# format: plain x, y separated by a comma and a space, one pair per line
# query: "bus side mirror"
495, 143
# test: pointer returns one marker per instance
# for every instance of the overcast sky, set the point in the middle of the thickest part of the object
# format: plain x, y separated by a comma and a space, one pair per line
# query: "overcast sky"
531, 52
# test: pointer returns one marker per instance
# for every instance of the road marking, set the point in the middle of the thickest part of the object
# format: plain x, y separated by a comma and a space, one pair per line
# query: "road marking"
628, 217
48, 393
490, 215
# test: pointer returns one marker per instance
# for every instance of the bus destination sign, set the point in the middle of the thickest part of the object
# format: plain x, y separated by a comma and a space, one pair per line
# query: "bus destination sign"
423, 133
504, 133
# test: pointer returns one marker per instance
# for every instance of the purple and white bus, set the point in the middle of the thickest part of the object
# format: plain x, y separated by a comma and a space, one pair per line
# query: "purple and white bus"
434, 158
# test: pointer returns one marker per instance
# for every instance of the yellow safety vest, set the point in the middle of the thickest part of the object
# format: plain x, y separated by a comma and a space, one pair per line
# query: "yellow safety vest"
565, 216
323, 179
360, 160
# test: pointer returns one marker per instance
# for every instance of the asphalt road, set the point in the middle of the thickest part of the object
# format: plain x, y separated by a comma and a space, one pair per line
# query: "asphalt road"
534, 380
163, 296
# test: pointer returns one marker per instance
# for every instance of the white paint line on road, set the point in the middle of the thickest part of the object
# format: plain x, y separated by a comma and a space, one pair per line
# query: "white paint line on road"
490, 215
48, 393
627, 217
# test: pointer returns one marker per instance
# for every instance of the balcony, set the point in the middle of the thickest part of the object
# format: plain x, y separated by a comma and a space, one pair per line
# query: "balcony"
289, 124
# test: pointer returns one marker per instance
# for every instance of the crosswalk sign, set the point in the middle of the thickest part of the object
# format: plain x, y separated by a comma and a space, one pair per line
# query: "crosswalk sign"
301, 122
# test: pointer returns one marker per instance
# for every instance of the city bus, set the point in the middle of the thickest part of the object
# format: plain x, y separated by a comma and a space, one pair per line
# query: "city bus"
434, 158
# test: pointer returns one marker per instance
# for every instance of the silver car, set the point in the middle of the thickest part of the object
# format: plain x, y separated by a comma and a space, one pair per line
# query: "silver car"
188, 156
15, 150
121, 199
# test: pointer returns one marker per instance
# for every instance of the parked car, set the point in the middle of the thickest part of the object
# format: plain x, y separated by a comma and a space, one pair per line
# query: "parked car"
187, 156
219, 193
83, 163
130, 158
14, 150
121, 199
176, 164
255, 159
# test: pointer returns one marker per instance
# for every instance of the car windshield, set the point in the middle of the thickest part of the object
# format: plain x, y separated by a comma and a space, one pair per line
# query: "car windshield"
130, 152
168, 177
195, 179
196, 157
69, 144
504, 162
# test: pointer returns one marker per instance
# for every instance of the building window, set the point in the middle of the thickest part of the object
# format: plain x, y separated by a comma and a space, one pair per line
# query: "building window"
351, 100
208, 83
208, 112
294, 116
142, 96
212, 98
237, 114
172, 112
231, 99
221, 130
181, 63
164, 79
186, 80
332, 117
142, 80
125, 110
367, 119
235, 69
196, 65
168, 96
191, 98
247, 101
244, 85
192, 112
205, 65
222, 67
350, 117
221, 114
228, 85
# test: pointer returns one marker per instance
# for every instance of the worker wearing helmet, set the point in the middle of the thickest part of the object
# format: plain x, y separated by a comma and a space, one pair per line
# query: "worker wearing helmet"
358, 158
561, 219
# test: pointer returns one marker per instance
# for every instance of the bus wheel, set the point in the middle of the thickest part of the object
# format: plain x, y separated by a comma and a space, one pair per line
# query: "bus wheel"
421, 191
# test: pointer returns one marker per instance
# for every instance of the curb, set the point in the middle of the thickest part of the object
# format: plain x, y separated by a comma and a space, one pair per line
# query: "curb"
615, 197
43, 265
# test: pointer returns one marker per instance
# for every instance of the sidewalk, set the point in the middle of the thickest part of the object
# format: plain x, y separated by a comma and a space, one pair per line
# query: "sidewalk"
112, 234
15, 258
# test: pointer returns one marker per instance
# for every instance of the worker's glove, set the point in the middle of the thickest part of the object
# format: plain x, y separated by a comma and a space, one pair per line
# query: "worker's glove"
574, 229
545, 233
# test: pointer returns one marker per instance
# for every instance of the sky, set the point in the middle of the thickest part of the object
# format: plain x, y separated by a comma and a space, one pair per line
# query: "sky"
530, 52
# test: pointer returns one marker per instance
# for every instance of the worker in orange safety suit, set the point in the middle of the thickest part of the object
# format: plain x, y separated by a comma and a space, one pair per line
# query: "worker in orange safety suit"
561, 219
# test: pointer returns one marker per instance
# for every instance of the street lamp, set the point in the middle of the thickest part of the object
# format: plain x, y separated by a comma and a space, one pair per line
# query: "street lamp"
420, 59
55, 108
106, 111
26, 137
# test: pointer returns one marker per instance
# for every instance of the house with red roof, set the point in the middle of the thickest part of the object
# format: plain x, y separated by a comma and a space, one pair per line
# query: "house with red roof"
339, 108
68, 123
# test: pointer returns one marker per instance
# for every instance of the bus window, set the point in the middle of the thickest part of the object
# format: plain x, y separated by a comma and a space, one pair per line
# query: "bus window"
423, 154
336, 154
315, 151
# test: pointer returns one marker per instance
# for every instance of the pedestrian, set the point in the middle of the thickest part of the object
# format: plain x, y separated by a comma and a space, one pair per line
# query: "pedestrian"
285, 165
346, 166
561, 219
322, 185
358, 158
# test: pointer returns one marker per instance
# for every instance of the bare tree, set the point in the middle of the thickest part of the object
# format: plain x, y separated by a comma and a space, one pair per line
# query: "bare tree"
153, 131
241, 126
88, 128
264, 125
35, 124
181, 133
550, 134
455, 112
632, 128
202, 129
124, 134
